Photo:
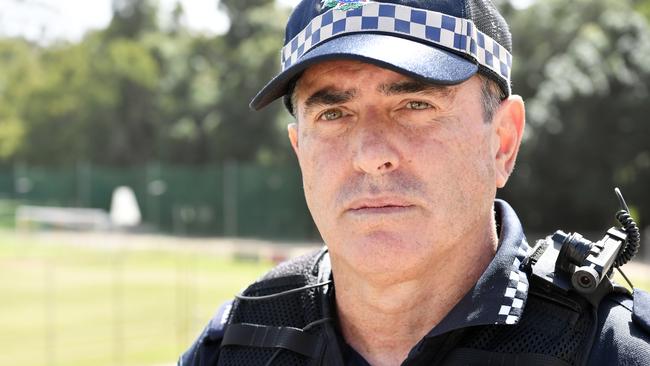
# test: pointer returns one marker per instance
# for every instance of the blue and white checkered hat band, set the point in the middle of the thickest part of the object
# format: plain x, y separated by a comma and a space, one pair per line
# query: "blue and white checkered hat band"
457, 34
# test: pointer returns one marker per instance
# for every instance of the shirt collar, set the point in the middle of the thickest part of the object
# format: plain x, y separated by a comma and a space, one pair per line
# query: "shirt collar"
499, 295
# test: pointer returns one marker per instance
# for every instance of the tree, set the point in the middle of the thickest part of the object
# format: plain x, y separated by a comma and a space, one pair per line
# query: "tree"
132, 18
21, 71
248, 58
582, 67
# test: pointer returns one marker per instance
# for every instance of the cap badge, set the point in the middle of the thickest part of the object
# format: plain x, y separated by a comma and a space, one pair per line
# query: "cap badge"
344, 5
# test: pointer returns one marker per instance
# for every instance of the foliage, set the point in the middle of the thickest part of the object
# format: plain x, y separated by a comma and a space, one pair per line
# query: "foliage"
252, 56
21, 73
133, 93
582, 68
643, 7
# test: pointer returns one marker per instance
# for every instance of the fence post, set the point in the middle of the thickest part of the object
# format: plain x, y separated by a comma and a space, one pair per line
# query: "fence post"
22, 183
230, 181
50, 312
152, 178
118, 306
84, 183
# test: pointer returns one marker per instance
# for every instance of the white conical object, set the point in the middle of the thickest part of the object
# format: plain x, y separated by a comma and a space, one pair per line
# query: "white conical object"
125, 211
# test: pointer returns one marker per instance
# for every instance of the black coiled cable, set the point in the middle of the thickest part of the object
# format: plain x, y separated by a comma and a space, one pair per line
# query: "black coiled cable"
633, 238
631, 246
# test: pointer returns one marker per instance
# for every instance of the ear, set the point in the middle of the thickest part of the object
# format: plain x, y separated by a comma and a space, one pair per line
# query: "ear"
508, 122
292, 130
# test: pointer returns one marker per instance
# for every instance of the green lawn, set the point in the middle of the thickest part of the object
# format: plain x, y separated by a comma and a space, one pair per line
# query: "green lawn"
67, 305
64, 305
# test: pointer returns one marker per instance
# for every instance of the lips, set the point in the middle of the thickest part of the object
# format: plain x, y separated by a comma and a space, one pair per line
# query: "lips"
380, 205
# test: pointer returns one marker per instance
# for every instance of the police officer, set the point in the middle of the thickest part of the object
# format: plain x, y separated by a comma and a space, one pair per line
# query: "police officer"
405, 126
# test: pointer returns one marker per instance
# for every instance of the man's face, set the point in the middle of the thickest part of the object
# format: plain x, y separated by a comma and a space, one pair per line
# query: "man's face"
395, 171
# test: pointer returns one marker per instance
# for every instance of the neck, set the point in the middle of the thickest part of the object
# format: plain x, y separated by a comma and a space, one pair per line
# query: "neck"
383, 317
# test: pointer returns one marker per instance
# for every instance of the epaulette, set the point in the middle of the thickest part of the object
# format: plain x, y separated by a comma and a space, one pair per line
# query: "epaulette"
217, 325
205, 351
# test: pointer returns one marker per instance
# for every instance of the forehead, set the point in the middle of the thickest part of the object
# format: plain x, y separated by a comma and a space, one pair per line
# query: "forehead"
345, 74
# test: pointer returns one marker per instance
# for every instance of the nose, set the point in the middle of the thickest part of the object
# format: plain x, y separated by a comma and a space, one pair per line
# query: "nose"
375, 154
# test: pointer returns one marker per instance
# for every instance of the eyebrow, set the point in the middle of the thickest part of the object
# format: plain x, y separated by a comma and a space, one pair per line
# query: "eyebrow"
415, 86
329, 96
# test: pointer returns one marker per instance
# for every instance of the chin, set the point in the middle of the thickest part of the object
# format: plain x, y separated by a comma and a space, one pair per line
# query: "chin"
380, 252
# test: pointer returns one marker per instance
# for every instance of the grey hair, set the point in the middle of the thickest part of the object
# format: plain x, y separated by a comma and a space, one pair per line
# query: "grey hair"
491, 97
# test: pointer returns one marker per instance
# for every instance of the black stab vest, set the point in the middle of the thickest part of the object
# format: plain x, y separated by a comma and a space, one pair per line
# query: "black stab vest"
298, 328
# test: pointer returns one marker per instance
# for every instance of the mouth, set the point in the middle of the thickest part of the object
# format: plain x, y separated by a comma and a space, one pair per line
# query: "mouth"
380, 206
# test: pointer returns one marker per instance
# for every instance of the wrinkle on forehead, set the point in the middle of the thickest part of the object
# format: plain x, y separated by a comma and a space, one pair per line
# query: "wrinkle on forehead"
331, 74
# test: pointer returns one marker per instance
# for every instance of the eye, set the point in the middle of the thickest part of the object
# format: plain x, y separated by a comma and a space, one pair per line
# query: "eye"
331, 114
418, 105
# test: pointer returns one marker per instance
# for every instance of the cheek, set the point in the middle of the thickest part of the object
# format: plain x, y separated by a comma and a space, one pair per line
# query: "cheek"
458, 165
479, 163
475, 173
484, 157
320, 165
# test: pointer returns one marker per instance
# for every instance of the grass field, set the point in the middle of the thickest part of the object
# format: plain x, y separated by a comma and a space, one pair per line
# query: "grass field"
80, 303
68, 305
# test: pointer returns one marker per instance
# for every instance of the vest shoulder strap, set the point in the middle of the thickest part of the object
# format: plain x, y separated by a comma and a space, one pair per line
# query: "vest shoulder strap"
280, 317
253, 335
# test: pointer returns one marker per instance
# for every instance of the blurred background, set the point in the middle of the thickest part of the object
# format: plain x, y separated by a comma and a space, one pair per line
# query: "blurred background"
138, 191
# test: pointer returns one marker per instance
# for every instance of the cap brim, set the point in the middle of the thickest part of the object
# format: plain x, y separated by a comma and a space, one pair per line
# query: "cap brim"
402, 55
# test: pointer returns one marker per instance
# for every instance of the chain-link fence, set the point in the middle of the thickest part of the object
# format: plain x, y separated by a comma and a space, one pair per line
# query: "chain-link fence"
230, 199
